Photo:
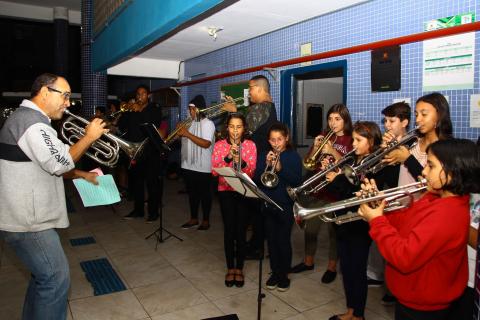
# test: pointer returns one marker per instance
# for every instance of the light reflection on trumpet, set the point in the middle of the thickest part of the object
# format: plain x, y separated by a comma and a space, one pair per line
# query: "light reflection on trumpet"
327, 212
269, 178
311, 163
318, 181
373, 162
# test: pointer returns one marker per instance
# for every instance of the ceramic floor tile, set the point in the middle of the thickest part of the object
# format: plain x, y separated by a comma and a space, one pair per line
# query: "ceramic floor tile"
116, 306
245, 306
202, 311
170, 296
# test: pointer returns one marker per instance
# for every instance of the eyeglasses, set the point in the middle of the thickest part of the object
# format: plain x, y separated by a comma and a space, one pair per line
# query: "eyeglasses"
66, 95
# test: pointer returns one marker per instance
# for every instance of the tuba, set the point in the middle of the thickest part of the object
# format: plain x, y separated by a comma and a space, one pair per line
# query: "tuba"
327, 212
106, 149
310, 163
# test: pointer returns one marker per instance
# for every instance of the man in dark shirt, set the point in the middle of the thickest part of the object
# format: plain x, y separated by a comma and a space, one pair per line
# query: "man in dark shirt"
148, 168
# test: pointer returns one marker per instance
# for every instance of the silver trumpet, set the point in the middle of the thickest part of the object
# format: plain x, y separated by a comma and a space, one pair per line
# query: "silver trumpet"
373, 162
269, 178
392, 196
106, 149
317, 181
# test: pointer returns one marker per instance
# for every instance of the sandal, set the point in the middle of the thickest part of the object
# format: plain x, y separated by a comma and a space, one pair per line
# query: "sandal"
239, 279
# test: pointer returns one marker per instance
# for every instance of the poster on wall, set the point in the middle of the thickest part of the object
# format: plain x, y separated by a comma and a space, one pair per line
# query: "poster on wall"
448, 62
475, 111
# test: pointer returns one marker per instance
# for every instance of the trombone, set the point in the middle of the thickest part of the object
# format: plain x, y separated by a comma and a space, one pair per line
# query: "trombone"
104, 151
373, 162
327, 213
310, 163
269, 178
306, 187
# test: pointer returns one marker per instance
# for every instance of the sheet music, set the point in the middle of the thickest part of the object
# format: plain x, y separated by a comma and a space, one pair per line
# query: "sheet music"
104, 193
244, 185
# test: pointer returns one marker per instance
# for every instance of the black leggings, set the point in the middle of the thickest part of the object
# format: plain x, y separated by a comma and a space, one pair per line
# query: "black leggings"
199, 188
233, 208
149, 171
353, 254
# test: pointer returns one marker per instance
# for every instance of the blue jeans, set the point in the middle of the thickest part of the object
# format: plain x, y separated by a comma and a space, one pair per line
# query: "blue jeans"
43, 255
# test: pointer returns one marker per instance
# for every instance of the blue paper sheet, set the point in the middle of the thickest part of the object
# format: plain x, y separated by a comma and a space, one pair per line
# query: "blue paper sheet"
104, 193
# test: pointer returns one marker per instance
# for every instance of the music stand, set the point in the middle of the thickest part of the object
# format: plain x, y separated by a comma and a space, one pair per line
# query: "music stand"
242, 183
152, 133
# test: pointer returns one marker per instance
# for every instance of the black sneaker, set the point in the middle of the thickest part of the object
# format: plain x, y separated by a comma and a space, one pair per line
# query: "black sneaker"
329, 276
372, 283
301, 267
283, 284
272, 282
388, 300
132, 215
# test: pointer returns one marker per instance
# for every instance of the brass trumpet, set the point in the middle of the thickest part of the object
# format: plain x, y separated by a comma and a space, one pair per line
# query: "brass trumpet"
373, 162
269, 178
327, 213
317, 181
104, 151
310, 163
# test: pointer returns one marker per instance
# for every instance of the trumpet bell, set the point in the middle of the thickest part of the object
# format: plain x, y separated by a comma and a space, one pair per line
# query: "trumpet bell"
269, 179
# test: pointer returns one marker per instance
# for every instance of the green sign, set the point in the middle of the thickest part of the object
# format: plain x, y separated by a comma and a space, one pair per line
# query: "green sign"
448, 22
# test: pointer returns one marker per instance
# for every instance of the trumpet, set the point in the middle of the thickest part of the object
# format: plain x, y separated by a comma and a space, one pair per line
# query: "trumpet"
104, 151
124, 107
391, 196
237, 166
269, 178
306, 187
373, 162
310, 163
216, 110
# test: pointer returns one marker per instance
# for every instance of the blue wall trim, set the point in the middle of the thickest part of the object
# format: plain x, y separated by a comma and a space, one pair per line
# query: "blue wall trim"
286, 86
141, 23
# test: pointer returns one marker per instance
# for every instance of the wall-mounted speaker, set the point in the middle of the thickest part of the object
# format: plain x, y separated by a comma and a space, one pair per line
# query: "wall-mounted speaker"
386, 69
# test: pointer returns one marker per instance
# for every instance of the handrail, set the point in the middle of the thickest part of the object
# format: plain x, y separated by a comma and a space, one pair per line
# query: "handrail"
474, 26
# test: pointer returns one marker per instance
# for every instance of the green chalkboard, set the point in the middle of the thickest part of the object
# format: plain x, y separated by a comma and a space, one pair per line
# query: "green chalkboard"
236, 90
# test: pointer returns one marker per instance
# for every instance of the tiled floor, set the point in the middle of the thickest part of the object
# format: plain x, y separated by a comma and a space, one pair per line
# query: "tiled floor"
181, 280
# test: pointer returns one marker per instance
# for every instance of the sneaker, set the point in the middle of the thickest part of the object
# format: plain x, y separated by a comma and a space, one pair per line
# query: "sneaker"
283, 285
188, 225
329, 276
301, 267
372, 283
388, 300
132, 215
151, 219
272, 282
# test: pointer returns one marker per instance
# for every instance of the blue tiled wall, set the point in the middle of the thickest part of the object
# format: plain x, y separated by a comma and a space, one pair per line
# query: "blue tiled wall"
364, 23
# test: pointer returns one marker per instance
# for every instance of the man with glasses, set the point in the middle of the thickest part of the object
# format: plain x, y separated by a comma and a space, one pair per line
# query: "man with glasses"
32, 197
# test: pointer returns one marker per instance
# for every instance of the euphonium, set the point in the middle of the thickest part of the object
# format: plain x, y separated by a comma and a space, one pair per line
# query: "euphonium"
327, 212
373, 162
269, 178
104, 151
310, 163
317, 181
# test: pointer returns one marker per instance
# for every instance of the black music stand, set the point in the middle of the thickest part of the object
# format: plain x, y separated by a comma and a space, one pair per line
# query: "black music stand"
152, 133
245, 186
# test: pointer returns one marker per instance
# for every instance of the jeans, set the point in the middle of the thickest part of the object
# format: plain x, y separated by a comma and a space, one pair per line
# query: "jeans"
43, 255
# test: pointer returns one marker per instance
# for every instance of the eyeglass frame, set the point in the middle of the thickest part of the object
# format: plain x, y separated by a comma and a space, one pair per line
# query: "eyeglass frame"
66, 95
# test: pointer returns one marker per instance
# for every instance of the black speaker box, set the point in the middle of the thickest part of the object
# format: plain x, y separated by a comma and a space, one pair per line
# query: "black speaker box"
386, 69
314, 121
